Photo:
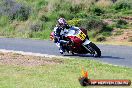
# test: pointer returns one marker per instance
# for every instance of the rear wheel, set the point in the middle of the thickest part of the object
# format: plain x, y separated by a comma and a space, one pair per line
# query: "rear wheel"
94, 50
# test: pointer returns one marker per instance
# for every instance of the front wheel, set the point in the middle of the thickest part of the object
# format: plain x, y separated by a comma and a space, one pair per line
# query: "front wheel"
94, 49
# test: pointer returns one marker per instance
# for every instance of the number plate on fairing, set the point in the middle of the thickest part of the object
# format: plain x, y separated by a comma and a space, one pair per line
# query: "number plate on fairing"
81, 35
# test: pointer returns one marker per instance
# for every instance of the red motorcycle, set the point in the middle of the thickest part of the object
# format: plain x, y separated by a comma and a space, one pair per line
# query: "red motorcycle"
79, 42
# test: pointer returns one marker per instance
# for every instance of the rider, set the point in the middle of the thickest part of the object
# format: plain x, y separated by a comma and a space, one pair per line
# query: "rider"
59, 33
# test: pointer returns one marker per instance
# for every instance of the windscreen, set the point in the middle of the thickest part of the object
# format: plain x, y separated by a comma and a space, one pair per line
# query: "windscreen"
73, 31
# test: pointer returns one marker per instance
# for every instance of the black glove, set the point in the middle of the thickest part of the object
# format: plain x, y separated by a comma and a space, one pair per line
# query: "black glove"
67, 26
56, 39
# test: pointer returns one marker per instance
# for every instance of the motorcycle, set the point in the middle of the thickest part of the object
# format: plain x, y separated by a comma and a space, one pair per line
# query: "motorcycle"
79, 43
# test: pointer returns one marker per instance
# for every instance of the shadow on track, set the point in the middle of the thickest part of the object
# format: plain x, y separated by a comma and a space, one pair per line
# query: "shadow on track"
112, 57
86, 55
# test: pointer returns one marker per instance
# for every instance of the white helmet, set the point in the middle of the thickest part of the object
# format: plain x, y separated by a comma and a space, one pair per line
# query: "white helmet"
62, 21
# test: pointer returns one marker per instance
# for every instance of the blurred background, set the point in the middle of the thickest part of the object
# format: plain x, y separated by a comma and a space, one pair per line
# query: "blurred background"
105, 20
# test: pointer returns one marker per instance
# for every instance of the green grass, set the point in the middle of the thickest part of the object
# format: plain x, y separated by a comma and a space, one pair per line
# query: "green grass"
64, 75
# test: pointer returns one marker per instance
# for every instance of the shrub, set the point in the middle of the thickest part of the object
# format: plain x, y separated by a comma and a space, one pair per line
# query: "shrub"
40, 4
75, 9
130, 39
104, 3
100, 38
74, 22
113, 1
92, 34
49, 17
97, 10
22, 14
92, 23
107, 28
60, 5
97, 25
36, 27
121, 24
127, 12
14, 10
4, 21
66, 14
118, 32
106, 34
124, 4
44, 18
49, 25
41, 35
81, 15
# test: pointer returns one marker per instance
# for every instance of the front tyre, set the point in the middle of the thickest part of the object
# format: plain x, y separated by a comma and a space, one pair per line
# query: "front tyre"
97, 52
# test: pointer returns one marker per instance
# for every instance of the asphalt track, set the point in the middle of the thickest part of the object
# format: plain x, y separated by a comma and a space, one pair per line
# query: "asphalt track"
112, 54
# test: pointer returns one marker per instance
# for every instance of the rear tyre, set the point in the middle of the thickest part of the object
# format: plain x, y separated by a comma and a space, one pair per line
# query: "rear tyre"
73, 53
96, 49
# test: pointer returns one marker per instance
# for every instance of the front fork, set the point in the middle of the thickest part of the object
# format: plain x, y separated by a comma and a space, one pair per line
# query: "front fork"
87, 47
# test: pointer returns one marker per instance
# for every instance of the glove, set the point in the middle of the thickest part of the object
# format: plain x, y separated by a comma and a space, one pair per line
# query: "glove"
56, 39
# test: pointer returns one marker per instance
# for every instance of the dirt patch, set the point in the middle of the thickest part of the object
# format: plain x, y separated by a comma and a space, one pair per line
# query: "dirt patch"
127, 18
25, 60
108, 21
122, 35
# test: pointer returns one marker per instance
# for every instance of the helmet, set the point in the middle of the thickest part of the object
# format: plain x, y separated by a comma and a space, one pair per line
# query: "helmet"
61, 21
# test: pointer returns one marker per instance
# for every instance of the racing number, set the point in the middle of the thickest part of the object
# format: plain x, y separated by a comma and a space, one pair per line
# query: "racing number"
82, 36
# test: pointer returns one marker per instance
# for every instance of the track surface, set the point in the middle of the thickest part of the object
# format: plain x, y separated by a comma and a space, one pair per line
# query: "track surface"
117, 55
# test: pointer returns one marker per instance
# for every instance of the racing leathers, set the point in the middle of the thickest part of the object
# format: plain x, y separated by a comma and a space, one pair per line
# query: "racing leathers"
59, 37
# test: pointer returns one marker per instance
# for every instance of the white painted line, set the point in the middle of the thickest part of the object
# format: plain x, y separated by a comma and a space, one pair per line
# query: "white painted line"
30, 53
